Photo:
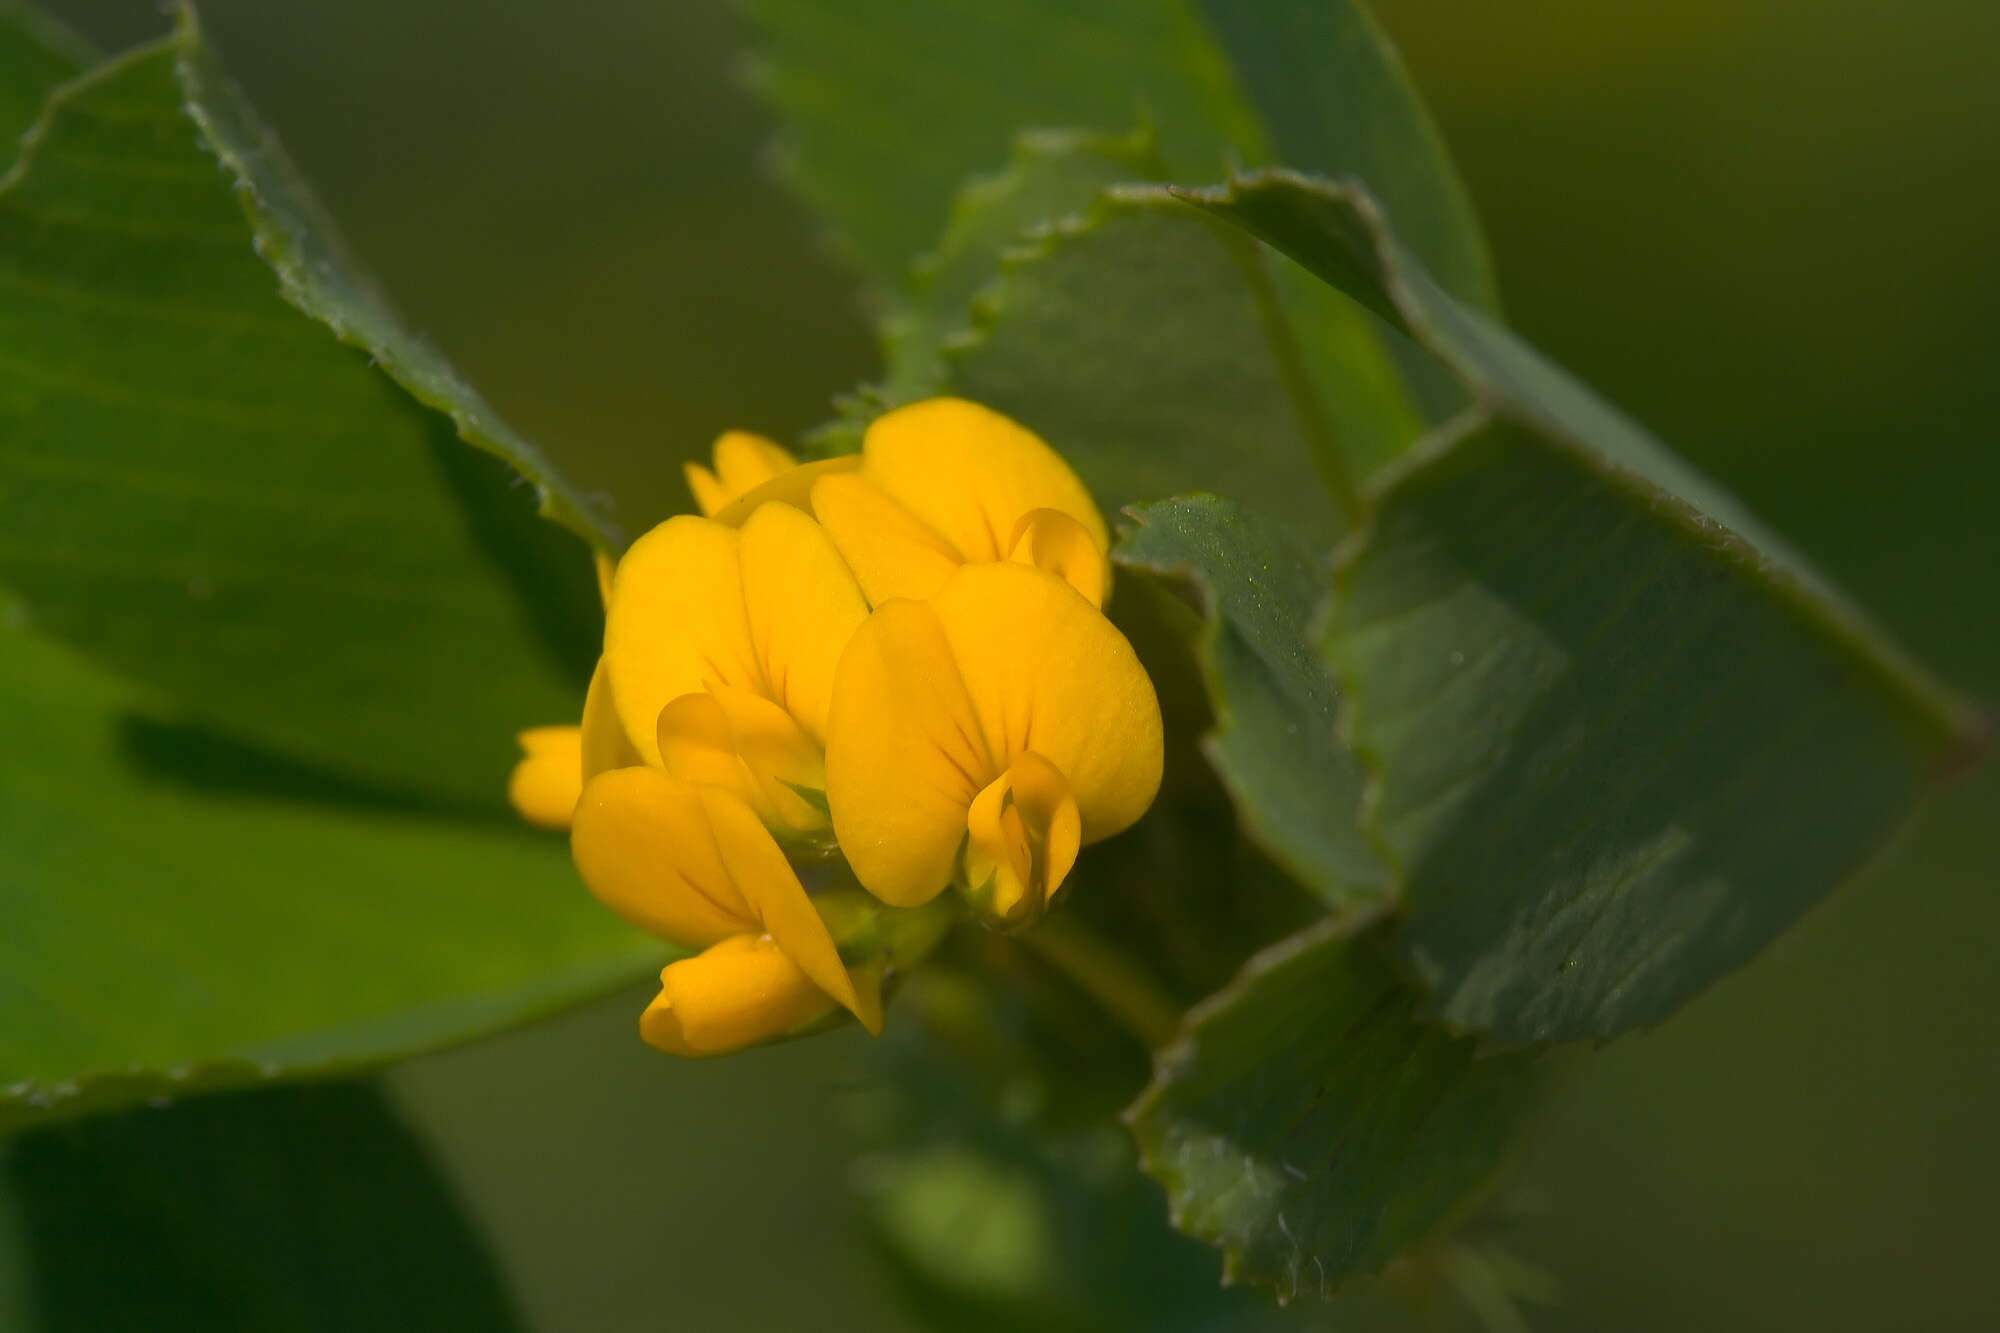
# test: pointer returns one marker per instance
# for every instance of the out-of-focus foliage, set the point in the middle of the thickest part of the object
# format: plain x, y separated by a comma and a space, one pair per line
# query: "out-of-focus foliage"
306, 1208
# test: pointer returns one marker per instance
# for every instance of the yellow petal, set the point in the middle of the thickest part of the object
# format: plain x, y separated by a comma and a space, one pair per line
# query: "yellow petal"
743, 462
970, 473
1047, 673
546, 783
772, 888
749, 746
1057, 544
803, 606
792, 488
676, 624
1022, 836
890, 550
738, 992
905, 754
643, 845
603, 740
698, 746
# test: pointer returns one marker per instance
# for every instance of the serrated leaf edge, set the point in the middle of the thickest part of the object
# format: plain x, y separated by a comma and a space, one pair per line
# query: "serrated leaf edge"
208, 97
1342, 897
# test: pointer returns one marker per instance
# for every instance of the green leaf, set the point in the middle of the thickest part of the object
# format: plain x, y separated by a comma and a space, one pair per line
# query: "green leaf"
1140, 344
1345, 393
1313, 1126
206, 491
1618, 734
890, 104
302, 246
1053, 178
1339, 102
882, 133
1297, 788
181, 913
295, 1208
35, 56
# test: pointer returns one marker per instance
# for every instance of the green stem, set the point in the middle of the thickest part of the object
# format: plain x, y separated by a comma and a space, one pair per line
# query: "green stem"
1113, 980
1319, 432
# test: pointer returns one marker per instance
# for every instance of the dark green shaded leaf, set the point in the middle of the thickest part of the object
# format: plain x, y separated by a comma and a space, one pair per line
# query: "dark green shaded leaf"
1296, 787
293, 1208
1311, 1124
1611, 758
206, 491
181, 913
1619, 735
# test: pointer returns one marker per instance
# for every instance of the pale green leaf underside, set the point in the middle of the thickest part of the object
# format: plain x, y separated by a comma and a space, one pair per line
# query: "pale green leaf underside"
181, 915
1618, 736
204, 490
1312, 1126
1297, 788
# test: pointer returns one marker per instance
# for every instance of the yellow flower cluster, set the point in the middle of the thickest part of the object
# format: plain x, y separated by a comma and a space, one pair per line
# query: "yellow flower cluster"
897, 659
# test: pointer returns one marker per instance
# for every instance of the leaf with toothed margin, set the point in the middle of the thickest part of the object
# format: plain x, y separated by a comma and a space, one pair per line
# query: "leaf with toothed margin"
1312, 1125
1618, 735
1343, 392
316, 274
1051, 179
889, 105
1296, 787
203, 489
1134, 340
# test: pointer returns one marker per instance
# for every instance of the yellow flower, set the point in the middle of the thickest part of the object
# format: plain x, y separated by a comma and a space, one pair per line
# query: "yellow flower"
981, 725
743, 462
984, 735
719, 652
946, 482
695, 865
547, 781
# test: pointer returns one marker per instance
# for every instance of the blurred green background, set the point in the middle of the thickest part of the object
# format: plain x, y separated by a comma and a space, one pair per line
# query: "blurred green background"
1765, 227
